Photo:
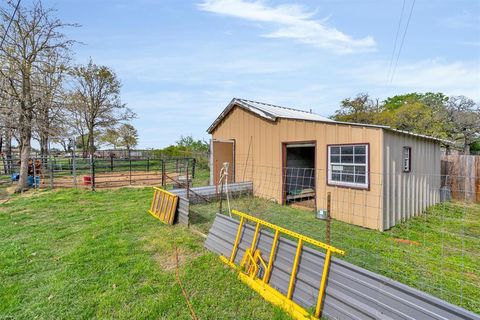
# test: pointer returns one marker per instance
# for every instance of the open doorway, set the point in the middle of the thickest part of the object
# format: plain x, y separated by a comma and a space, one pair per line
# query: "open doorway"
299, 174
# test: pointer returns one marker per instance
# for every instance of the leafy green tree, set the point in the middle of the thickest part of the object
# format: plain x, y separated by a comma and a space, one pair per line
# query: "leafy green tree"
193, 145
360, 109
128, 136
112, 137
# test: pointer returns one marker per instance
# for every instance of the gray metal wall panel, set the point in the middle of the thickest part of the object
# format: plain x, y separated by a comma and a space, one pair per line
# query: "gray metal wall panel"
198, 194
351, 292
183, 211
408, 194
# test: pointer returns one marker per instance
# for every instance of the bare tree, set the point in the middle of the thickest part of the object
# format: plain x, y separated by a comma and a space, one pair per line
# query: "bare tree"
464, 117
96, 100
34, 34
49, 112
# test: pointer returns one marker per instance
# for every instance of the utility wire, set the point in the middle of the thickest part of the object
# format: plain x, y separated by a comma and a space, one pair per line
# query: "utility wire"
403, 40
396, 40
10, 23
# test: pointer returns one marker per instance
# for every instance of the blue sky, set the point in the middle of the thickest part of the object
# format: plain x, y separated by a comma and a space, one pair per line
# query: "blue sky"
181, 62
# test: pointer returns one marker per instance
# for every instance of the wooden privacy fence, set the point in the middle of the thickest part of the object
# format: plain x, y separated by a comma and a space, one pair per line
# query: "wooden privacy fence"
461, 176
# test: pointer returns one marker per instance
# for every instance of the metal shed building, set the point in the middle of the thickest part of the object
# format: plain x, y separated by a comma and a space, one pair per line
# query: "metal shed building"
377, 176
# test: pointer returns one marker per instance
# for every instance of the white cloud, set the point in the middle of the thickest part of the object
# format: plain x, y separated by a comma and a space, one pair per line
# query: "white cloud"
291, 21
454, 78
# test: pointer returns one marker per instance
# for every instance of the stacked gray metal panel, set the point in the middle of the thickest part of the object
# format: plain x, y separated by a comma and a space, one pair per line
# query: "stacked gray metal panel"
351, 292
199, 194
183, 211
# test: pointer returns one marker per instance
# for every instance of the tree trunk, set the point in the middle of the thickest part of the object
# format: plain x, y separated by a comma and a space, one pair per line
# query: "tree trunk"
25, 149
466, 148
43, 146
91, 141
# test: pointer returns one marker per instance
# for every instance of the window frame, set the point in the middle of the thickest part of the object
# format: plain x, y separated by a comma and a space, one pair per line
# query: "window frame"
350, 185
409, 159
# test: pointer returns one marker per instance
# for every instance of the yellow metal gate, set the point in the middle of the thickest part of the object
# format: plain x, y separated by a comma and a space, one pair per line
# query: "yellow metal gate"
252, 261
164, 205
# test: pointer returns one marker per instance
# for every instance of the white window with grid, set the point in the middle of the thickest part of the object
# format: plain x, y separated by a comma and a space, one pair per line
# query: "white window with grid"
348, 165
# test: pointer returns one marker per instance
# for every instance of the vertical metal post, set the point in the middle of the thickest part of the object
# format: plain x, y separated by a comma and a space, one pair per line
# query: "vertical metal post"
148, 164
323, 283
130, 162
194, 164
111, 162
188, 184
92, 171
51, 172
34, 172
163, 172
266, 277
74, 165
327, 226
294, 269
237, 240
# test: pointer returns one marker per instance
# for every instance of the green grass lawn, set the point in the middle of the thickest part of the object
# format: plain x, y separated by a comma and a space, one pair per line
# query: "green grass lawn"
438, 252
73, 254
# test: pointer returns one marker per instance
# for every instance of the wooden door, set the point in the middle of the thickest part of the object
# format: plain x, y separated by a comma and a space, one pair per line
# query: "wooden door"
223, 151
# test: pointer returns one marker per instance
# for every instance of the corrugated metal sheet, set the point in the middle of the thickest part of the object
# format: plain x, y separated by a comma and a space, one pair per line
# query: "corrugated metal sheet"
200, 194
183, 211
351, 292
408, 194
268, 111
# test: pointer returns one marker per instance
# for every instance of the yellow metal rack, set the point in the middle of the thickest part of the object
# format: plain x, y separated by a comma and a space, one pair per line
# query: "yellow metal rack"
252, 260
164, 205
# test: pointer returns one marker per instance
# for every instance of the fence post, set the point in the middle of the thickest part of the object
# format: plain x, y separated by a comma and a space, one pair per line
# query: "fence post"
51, 173
194, 162
92, 171
188, 184
111, 162
130, 162
163, 172
148, 164
74, 165
34, 172
329, 208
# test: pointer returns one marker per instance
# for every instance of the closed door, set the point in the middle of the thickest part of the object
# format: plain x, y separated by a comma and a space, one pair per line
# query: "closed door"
223, 151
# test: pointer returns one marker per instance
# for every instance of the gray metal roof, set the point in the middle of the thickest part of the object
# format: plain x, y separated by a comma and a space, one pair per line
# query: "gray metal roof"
268, 111
271, 112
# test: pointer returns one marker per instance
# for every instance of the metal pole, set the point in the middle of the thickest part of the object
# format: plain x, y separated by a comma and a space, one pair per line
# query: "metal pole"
34, 172
148, 164
92, 171
188, 185
51, 172
130, 162
111, 162
74, 165
329, 208
194, 162
163, 173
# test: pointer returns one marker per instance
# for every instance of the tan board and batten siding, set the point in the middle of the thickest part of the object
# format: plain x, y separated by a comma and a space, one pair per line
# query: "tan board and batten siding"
263, 163
258, 158
407, 194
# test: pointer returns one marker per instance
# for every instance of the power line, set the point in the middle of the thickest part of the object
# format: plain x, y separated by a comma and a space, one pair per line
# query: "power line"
396, 40
10, 23
403, 40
